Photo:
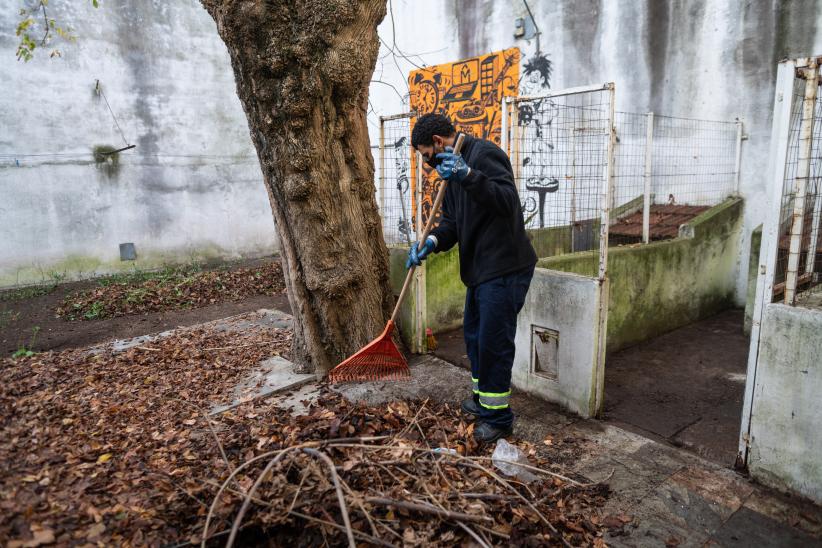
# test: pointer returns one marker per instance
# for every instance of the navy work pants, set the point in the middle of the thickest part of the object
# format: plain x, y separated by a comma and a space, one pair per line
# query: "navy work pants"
490, 325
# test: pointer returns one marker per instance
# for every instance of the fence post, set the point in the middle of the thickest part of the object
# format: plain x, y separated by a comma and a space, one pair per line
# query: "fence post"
771, 232
418, 343
515, 137
646, 201
573, 188
381, 170
738, 163
803, 171
503, 137
608, 189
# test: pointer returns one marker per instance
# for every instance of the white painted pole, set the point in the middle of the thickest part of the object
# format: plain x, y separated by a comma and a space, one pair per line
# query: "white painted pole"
646, 201
419, 280
607, 190
803, 171
777, 156
381, 171
573, 188
515, 146
817, 218
503, 138
738, 162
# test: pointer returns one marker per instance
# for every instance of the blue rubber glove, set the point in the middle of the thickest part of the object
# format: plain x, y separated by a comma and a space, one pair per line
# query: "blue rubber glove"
417, 257
452, 168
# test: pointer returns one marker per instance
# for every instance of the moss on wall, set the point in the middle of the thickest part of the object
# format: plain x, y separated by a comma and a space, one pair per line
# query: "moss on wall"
664, 285
79, 267
445, 292
405, 322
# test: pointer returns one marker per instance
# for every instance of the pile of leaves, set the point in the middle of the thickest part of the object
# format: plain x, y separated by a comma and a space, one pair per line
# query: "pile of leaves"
174, 289
116, 448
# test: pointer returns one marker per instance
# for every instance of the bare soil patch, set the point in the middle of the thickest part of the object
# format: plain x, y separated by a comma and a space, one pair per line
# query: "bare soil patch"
29, 316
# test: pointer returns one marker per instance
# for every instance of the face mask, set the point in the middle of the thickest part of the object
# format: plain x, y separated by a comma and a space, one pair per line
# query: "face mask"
433, 161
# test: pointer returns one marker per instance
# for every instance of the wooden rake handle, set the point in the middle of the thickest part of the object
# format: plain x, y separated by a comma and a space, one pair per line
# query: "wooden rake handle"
428, 227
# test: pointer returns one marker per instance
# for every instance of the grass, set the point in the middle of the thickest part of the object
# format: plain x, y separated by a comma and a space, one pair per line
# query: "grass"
168, 274
25, 351
32, 291
8, 316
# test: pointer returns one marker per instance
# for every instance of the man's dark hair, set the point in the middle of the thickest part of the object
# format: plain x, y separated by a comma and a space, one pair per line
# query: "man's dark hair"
429, 125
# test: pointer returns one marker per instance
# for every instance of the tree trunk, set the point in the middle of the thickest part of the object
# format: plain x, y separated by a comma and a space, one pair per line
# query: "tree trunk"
302, 70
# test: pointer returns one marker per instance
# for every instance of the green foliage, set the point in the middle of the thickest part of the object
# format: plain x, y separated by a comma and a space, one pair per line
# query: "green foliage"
25, 351
96, 311
8, 316
55, 278
36, 20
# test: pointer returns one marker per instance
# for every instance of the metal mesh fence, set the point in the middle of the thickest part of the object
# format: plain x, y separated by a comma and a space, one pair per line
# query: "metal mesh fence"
631, 176
559, 148
394, 179
798, 272
667, 171
694, 161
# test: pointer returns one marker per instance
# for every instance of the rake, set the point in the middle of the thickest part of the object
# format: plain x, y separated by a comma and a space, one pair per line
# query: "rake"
381, 360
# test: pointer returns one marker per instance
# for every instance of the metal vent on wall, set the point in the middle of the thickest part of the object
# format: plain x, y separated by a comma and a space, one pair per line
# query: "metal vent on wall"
545, 352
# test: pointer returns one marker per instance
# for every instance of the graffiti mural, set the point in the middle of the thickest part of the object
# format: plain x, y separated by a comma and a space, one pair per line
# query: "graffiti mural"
536, 116
470, 93
401, 168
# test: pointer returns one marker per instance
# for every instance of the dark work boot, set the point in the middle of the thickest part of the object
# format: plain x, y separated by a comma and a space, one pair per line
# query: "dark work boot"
470, 406
485, 433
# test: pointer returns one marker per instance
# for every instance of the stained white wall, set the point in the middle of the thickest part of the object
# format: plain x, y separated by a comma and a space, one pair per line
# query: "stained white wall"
191, 189
709, 59
785, 441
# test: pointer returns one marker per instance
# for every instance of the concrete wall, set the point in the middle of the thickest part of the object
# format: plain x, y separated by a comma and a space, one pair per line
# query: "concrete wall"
190, 190
785, 445
710, 59
568, 305
658, 287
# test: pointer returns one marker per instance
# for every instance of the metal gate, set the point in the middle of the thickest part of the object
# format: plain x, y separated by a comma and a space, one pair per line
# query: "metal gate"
561, 147
790, 261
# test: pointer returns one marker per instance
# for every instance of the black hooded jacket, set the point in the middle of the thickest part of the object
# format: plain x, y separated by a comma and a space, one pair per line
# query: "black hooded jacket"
483, 214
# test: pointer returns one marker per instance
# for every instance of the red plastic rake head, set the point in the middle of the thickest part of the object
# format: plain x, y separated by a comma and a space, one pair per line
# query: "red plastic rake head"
379, 360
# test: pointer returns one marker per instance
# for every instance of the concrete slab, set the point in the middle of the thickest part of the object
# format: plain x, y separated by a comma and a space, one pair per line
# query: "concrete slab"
748, 528
430, 378
273, 375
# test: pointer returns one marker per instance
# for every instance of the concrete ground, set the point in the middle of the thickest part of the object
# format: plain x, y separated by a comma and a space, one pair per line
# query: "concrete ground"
684, 387
673, 497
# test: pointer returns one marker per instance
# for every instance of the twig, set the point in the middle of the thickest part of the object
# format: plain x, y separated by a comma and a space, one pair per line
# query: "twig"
473, 535
268, 454
313, 452
428, 509
492, 532
340, 497
470, 462
263, 343
357, 533
149, 349
213, 432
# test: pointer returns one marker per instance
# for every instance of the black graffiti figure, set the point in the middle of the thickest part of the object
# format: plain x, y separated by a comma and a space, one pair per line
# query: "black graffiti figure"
542, 186
401, 165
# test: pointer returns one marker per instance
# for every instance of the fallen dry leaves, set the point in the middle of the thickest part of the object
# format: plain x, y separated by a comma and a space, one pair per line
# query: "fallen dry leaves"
114, 448
173, 291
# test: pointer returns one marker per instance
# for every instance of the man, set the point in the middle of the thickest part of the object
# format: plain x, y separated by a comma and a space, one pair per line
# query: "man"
482, 213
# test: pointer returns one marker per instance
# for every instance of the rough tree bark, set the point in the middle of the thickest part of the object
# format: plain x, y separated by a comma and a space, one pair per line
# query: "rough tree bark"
302, 70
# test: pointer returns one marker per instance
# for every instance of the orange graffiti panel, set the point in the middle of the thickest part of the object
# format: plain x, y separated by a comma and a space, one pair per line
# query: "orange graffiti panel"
470, 93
